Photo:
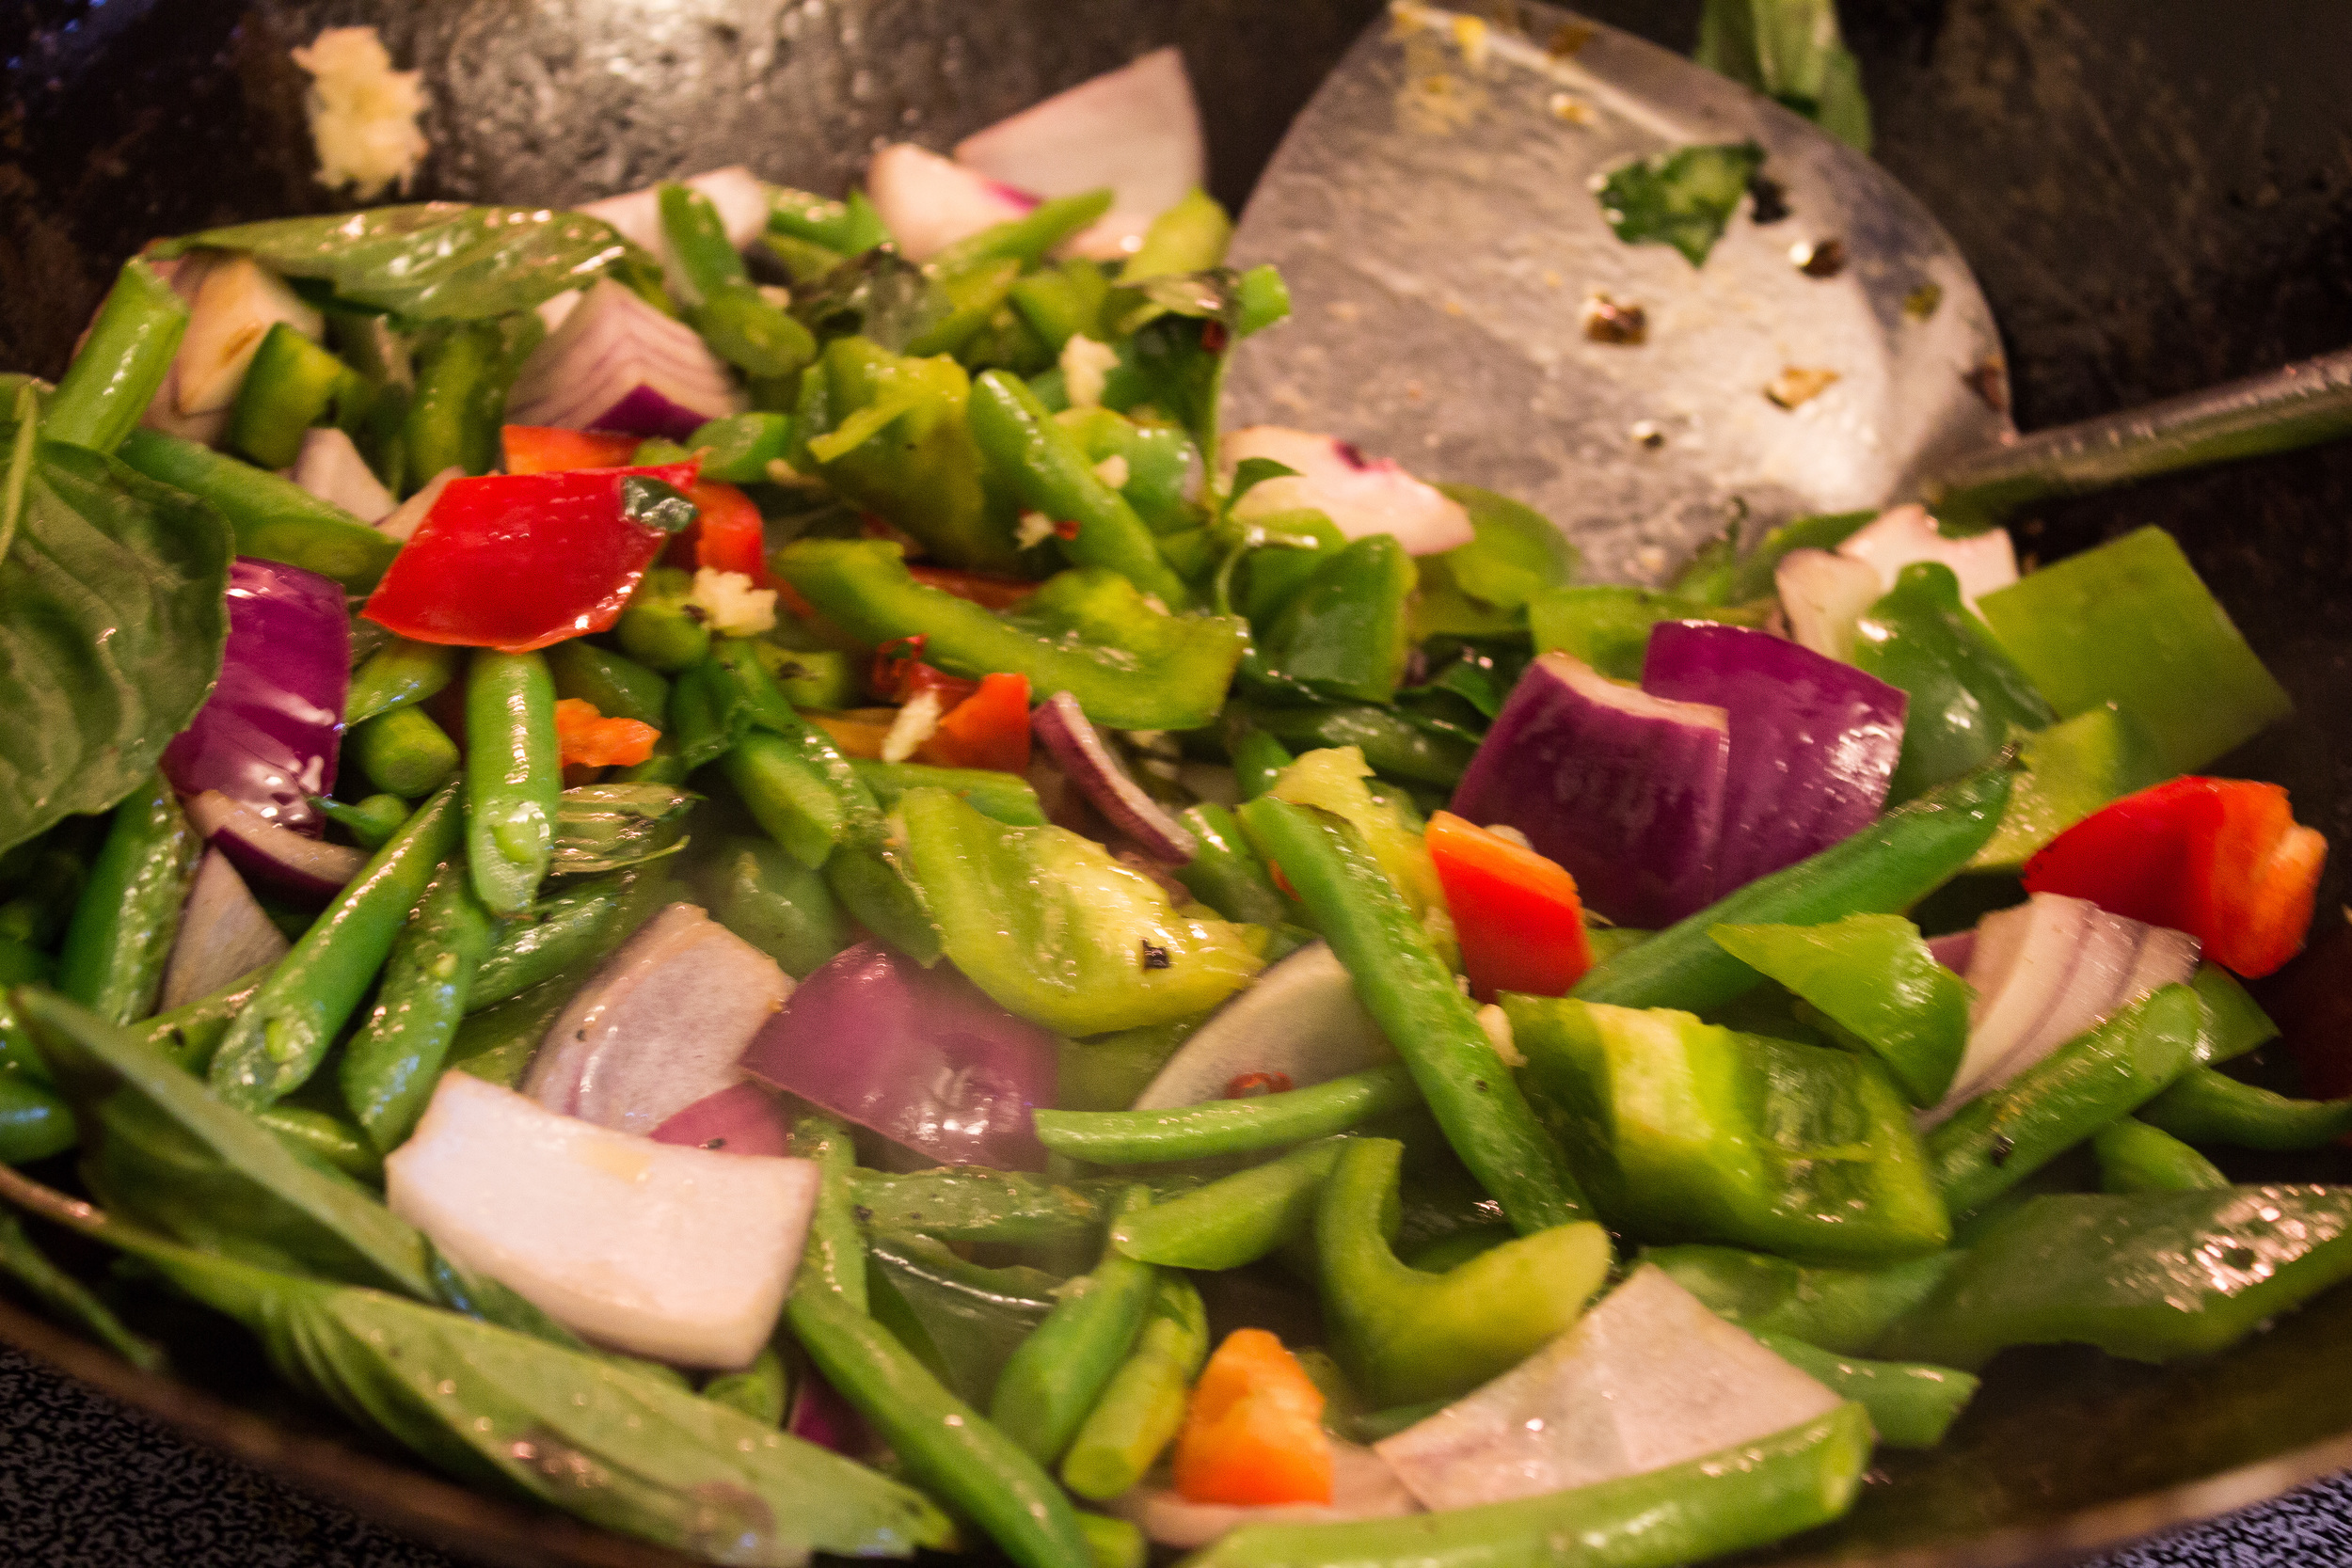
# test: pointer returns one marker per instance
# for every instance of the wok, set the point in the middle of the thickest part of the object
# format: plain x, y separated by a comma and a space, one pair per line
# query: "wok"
2155, 194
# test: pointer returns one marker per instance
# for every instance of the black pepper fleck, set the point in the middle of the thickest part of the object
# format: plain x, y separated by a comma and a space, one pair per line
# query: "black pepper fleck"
1770, 196
1155, 957
2003, 1147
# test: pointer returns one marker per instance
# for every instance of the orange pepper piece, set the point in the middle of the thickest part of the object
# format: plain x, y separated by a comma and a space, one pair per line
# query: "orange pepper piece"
588, 740
1253, 1430
1515, 913
538, 448
988, 729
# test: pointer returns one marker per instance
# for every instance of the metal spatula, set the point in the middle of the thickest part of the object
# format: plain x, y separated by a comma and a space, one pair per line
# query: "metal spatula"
1434, 211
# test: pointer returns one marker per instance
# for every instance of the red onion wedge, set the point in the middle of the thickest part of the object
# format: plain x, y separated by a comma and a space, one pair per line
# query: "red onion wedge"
1903, 534
660, 1027
331, 467
1361, 494
678, 1253
223, 935
617, 363
1813, 741
741, 1118
1647, 1379
307, 868
1823, 595
1362, 1487
929, 203
268, 736
1623, 788
1953, 950
1301, 1019
919, 1055
1061, 725
1137, 129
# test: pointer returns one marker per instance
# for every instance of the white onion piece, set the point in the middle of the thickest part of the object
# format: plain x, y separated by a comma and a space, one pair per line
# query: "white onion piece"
554, 311
660, 1027
1823, 595
1648, 1378
929, 203
402, 521
736, 191
1061, 725
1361, 494
1362, 1487
223, 935
185, 274
2167, 958
236, 304
2023, 957
331, 469
683, 1255
1982, 562
308, 867
1135, 130
1300, 1017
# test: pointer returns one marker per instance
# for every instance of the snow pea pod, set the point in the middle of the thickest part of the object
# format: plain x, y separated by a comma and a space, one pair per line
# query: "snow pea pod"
2207, 1107
122, 928
391, 1064
577, 925
1058, 1372
273, 518
834, 1259
514, 783
2135, 1157
760, 1390
1227, 1127
396, 675
1410, 993
1912, 1404
120, 364
1143, 1405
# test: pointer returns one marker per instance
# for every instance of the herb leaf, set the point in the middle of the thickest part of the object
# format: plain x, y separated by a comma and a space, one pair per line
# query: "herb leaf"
880, 295
1683, 198
1790, 51
651, 502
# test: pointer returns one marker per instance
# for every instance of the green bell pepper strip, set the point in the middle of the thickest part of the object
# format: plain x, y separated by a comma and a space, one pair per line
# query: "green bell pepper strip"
2065, 773
1912, 1404
760, 1390
1998, 1139
1336, 780
391, 1064
404, 752
737, 449
1006, 797
1885, 868
1404, 1335
756, 890
660, 629
2235, 1022
1143, 1405
279, 1038
514, 783
1159, 458
1056, 1375
1051, 473
1026, 238
1228, 1127
1063, 302
453, 421
1722, 1502
2135, 1157
2148, 1277
35, 1121
1055, 929
2130, 622
834, 1259
324, 1140
1846, 1310
397, 674
273, 518
122, 363
1191, 236
1967, 696
291, 385
618, 686
1874, 980
1234, 1220
1394, 745
121, 935
1685, 1131
1410, 993
1225, 875
849, 228
1086, 632
969, 1203
1342, 633
2207, 1107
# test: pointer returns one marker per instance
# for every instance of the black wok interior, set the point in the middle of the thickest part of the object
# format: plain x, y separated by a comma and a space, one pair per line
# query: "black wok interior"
2155, 195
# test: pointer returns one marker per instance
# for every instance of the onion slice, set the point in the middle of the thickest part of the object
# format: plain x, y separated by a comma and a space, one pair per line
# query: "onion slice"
617, 363
741, 1118
1954, 949
1361, 494
1904, 534
223, 935
306, 868
1081, 754
1823, 595
737, 193
404, 520
331, 467
1363, 1486
929, 203
1300, 1019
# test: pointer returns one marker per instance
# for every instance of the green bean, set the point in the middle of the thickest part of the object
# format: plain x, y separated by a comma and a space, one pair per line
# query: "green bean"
370, 822
1912, 1404
1410, 993
619, 686
1054, 1378
832, 1260
1226, 876
968, 1203
1113, 1542
324, 1140
737, 449
1007, 797
121, 364
786, 794
1225, 1127
122, 928
1234, 1220
1143, 1405
846, 228
391, 1064
697, 237
2135, 1157
1885, 869
513, 780
760, 1390
192, 1032
1258, 761
35, 1122
2209, 1108
273, 518
1735, 1498
772, 901
280, 1037
580, 924
1393, 744
1190, 236
750, 331
659, 628
396, 675
1026, 238
403, 752
1049, 471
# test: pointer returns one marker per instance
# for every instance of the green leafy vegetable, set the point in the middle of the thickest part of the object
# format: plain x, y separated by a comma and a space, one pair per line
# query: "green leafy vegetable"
68, 1298
1683, 198
879, 295
1790, 50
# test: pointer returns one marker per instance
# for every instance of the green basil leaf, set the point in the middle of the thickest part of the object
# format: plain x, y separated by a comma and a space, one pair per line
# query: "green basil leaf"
437, 260
604, 827
1790, 50
880, 295
656, 505
960, 1318
69, 1300
112, 613
1683, 198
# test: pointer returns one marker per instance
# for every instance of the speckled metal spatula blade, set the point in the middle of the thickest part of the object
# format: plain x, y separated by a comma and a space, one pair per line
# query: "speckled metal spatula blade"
1433, 211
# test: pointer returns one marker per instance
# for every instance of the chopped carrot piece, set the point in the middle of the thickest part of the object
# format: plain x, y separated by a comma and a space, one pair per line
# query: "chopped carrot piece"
589, 740
1515, 913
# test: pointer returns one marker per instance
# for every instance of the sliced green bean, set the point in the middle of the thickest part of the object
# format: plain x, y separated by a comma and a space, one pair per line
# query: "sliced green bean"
1225, 875
2135, 1157
513, 782
122, 928
619, 686
1258, 761
2209, 1108
272, 518
1143, 1405
121, 364
1225, 1127
281, 1035
580, 924
371, 822
1234, 1220
1912, 1404
396, 675
834, 1258
786, 794
1061, 1369
391, 1064
403, 752
761, 893
324, 1140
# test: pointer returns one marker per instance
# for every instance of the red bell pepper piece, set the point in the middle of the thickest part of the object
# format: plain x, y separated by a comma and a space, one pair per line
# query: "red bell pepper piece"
539, 449
1517, 914
729, 535
1253, 1428
2222, 858
515, 562
988, 729
989, 592
589, 739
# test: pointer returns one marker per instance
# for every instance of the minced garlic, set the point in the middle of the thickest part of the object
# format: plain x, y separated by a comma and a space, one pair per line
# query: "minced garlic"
363, 113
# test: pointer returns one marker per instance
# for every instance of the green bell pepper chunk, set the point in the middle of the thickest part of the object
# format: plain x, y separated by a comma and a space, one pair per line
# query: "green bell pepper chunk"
1064, 302
1840, 1309
2209, 1108
753, 888
1342, 633
1393, 744
850, 227
2135, 1157
2129, 623
825, 679
1334, 780
1484, 588
1912, 1404
1873, 980
2065, 773
1685, 1131
1159, 460
1404, 1335
1822, 531
288, 387
737, 449
751, 331
1607, 625
661, 629
1966, 694
900, 445
2148, 1277
1191, 236
1055, 929
2235, 1022
1007, 797
1089, 632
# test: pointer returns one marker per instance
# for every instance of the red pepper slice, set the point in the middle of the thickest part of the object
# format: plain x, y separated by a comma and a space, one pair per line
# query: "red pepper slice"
2222, 858
517, 562
1515, 913
729, 535
1253, 1430
988, 729
539, 449
989, 592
